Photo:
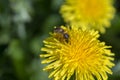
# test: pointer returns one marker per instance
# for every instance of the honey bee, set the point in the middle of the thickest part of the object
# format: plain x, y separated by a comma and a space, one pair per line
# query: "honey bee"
62, 32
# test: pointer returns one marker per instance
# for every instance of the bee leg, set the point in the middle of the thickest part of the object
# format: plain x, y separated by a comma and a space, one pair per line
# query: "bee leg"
66, 36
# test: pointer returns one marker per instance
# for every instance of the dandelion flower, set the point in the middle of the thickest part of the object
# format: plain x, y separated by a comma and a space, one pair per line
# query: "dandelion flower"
81, 55
95, 14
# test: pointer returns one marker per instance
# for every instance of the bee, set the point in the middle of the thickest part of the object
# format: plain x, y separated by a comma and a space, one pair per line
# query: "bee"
62, 32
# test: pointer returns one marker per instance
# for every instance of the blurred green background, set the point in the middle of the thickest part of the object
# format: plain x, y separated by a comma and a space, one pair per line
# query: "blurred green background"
23, 26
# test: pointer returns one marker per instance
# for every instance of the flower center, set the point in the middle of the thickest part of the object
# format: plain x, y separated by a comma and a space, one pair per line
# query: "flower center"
91, 8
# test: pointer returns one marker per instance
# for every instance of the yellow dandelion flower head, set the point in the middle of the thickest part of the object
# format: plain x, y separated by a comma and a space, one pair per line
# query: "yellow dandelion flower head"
72, 51
95, 13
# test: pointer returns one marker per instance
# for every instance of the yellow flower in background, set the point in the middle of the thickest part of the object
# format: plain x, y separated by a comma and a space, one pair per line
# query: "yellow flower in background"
76, 52
93, 14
